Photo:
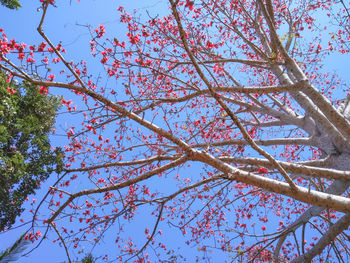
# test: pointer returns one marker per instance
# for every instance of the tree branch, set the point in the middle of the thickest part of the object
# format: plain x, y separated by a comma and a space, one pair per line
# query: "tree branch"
223, 105
129, 182
333, 231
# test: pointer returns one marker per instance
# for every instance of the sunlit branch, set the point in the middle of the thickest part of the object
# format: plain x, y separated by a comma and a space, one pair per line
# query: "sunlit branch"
43, 35
21, 73
325, 162
266, 110
302, 194
320, 100
255, 63
266, 124
289, 113
338, 187
282, 106
238, 89
224, 106
271, 142
260, 90
311, 108
328, 173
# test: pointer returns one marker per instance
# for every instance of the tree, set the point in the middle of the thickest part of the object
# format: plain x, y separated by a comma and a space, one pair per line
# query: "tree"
27, 116
235, 89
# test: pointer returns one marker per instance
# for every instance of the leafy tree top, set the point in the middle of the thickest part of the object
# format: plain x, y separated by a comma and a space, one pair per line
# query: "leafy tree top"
26, 158
12, 4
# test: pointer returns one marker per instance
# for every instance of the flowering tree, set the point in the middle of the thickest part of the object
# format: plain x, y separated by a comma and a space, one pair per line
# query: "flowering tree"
222, 123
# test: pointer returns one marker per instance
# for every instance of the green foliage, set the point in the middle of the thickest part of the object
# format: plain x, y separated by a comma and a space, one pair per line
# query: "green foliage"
12, 4
88, 259
26, 156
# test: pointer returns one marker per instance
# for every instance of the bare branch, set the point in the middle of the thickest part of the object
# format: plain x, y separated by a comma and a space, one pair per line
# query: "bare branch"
129, 163
129, 182
272, 142
295, 168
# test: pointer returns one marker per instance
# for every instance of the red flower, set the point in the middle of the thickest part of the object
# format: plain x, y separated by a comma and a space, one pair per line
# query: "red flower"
51, 77
11, 91
30, 60
134, 39
145, 33
189, 4
21, 56
48, 1
100, 31
43, 90
262, 170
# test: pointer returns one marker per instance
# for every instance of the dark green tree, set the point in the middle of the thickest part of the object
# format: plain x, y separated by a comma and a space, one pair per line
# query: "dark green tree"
12, 4
26, 156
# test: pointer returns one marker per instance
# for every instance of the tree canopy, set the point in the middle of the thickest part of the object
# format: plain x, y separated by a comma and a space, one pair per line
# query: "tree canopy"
27, 117
220, 120
12, 4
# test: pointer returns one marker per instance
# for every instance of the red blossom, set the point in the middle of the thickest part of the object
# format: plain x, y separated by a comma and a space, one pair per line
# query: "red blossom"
51, 77
262, 170
189, 4
11, 91
41, 47
100, 31
21, 56
134, 39
30, 60
48, 1
43, 90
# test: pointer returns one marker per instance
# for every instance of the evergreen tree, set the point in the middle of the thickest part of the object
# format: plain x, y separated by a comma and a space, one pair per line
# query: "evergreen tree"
26, 156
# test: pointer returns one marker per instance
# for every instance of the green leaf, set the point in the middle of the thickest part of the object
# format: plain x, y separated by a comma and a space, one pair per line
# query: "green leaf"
26, 157
12, 4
